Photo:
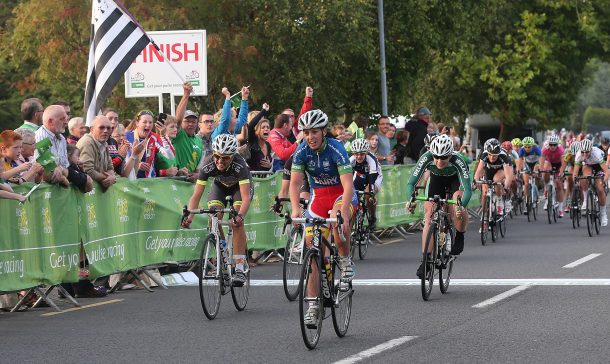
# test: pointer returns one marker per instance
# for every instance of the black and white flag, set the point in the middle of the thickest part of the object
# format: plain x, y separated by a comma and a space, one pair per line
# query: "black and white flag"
116, 40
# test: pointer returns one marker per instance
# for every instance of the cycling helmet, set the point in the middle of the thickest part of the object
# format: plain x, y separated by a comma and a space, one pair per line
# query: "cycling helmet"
528, 142
605, 140
553, 139
507, 146
360, 146
575, 147
225, 144
492, 146
429, 138
313, 119
516, 142
589, 136
441, 146
586, 145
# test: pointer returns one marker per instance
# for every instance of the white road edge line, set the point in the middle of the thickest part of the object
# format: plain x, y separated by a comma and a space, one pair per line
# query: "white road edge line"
501, 296
582, 260
375, 350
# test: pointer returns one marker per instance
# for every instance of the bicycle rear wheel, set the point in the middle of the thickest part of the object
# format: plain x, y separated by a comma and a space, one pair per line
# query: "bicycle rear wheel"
341, 312
311, 275
427, 279
210, 277
240, 294
502, 225
293, 263
589, 213
444, 273
484, 220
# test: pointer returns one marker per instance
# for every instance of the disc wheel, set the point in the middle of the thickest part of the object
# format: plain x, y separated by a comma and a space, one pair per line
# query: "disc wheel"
342, 311
310, 275
293, 263
210, 277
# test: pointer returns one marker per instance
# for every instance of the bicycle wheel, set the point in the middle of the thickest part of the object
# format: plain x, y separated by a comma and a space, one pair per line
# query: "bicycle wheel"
444, 273
293, 261
493, 225
365, 238
596, 217
210, 277
549, 206
240, 294
534, 201
502, 225
528, 207
484, 220
590, 211
355, 238
311, 275
342, 311
427, 280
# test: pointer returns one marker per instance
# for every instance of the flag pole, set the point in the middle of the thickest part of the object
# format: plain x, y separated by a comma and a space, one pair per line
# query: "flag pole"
235, 94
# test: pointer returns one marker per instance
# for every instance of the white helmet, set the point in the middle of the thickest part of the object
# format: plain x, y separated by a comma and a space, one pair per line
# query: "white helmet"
313, 119
360, 146
553, 139
225, 144
575, 147
586, 145
441, 146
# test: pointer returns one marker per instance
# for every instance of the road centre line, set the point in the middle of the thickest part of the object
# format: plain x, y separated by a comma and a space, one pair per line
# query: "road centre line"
463, 282
501, 296
582, 260
81, 307
375, 350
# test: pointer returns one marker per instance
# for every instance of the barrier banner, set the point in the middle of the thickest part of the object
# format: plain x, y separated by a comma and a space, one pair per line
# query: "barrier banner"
39, 240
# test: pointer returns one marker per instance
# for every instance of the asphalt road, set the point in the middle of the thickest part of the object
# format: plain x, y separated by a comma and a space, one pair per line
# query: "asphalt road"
547, 313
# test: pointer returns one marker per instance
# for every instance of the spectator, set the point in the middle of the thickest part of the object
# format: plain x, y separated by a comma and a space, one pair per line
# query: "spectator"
338, 132
229, 122
206, 127
373, 139
118, 151
147, 163
400, 149
6, 192
76, 128
168, 134
54, 120
432, 128
10, 151
96, 161
307, 106
418, 129
28, 145
76, 174
278, 139
66, 107
260, 150
383, 153
391, 135
188, 146
31, 113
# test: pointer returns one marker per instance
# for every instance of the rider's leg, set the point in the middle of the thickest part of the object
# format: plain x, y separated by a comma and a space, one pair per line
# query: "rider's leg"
460, 224
428, 209
313, 284
499, 178
586, 171
599, 186
345, 262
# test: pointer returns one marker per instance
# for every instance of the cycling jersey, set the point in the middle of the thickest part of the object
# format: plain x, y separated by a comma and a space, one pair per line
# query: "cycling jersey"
236, 174
532, 156
286, 175
457, 166
595, 157
366, 173
554, 157
491, 168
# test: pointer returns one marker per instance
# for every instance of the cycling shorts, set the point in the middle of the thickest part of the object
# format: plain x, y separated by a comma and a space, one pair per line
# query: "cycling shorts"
443, 185
324, 200
490, 173
218, 195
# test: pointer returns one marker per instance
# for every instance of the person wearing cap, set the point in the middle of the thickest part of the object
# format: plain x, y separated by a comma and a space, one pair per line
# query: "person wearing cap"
383, 153
418, 129
188, 146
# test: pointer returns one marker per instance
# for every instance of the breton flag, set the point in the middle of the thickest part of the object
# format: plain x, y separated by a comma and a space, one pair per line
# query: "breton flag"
116, 40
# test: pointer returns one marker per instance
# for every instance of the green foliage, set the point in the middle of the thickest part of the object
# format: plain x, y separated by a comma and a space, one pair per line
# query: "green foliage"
596, 116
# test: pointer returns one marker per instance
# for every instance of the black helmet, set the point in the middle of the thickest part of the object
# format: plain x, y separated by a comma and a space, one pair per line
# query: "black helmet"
492, 146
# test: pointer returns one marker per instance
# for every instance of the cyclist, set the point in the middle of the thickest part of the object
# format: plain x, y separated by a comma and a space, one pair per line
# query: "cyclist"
494, 165
567, 165
330, 176
551, 160
231, 178
367, 174
591, 160
427, 140
529, 156
449, 173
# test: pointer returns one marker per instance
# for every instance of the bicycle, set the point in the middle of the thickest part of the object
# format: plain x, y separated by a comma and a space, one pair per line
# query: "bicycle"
575, 202
551, 196
441, 234
490, 218
215, 269
325, 275
294, 252
531, 200
592, 200
361, 234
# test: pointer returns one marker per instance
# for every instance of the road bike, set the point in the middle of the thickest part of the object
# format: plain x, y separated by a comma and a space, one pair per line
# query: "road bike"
441, 234
592, 214
551, 196
323, 274
517, 198
215, 268
361, 234
491, 219
294, 252
575, 203
531, 200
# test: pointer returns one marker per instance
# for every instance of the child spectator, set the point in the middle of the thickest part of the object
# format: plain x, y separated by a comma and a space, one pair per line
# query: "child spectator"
400, 149
76, 174
10, 151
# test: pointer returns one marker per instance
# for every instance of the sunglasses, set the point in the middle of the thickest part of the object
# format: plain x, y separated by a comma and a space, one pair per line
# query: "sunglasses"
552, 145
586, 151
360, 154
492, 155
440, 158
224, 158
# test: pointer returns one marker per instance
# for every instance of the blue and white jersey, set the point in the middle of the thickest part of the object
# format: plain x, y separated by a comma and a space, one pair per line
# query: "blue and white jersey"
324, 166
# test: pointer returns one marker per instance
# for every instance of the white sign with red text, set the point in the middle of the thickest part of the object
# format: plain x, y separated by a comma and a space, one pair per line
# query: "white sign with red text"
150, 75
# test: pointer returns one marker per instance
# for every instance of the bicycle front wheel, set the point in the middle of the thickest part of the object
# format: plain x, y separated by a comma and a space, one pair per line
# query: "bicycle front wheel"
341, 309
428, 260
484, 220
549, 206
596, 216
210, 277
240, 294
293, 263
590, 212
444, 273
311, 276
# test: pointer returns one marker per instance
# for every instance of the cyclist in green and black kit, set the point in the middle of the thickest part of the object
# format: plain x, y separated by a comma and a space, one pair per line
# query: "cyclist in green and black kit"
449, 173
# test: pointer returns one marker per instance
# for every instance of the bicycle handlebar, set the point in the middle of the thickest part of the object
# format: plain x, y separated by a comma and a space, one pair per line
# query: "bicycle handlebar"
317, 221
437, 199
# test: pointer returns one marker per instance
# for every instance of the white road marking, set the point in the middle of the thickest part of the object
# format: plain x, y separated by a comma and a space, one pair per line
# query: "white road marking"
582, 260
375, 350
464, 282
501, 296
81, 307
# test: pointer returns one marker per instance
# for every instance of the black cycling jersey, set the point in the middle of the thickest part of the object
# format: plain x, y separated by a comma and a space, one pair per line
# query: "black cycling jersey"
236, 174
502, 160
366, 173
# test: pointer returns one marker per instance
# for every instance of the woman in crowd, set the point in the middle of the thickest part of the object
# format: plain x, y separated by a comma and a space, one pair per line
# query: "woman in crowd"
260, 150
168, 134
147, 162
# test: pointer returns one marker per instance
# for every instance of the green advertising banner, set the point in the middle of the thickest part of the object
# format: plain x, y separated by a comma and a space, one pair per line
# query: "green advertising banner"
39, 242
137, 223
